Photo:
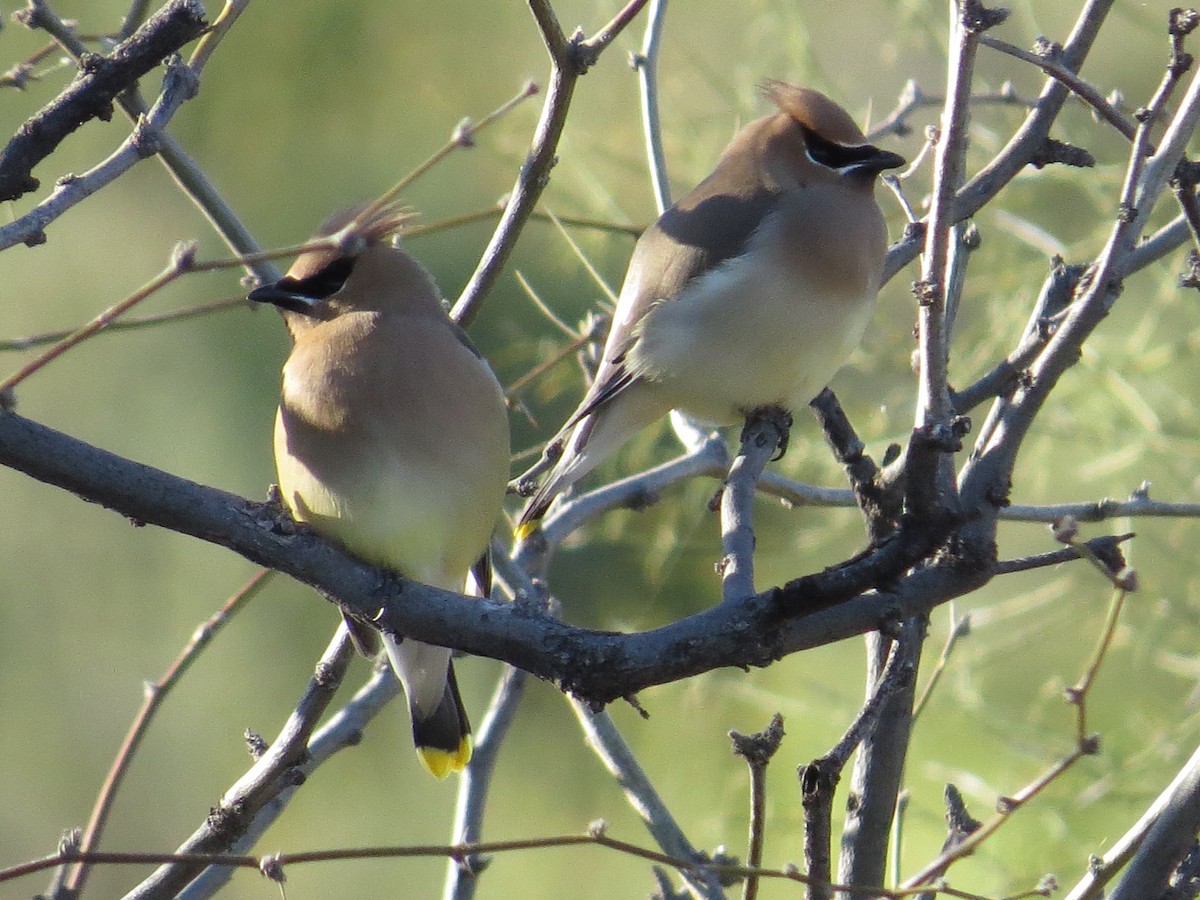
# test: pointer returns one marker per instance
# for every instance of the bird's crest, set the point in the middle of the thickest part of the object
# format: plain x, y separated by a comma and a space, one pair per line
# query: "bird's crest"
364, 224
815, 111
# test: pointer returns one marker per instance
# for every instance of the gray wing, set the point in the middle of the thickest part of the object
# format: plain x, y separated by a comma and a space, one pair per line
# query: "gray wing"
696, 235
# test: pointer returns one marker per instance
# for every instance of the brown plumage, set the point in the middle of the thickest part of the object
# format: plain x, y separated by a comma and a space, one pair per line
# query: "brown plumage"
392, 440
749, 292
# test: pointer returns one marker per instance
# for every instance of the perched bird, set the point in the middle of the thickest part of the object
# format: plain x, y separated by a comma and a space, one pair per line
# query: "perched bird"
392, 440
750, 292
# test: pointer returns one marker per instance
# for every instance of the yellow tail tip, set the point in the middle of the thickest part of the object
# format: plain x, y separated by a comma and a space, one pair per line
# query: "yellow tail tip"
525, 529
440, 763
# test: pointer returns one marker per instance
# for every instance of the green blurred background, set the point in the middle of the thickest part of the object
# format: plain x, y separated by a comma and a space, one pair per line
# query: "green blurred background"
312, 104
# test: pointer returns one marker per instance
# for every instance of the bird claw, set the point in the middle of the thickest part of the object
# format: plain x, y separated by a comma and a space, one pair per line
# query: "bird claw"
776, 418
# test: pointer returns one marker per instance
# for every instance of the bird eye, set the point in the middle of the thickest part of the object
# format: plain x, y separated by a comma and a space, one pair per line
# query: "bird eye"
841, 157
327, 281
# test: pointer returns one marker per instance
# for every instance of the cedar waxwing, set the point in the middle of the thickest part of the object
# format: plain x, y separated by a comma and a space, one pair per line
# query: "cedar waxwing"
392, 440
749, 292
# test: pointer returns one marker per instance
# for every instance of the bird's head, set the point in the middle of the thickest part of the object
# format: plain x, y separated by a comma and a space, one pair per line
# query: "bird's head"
352, 266
813, 133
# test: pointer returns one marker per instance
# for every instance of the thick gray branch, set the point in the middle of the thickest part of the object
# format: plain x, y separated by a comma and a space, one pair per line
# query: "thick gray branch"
597, 665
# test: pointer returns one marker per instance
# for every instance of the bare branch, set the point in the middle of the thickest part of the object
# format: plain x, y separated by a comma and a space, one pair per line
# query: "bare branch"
646, 65
757, 750
766, 430
1164, 808
601, 666
614, 752
155, 695
343, 731
91, 95
179, 86
236, 810
881, 734
1051, 66
475, 783
569, 59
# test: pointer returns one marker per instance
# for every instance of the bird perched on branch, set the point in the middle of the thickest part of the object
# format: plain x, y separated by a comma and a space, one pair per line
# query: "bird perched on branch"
391, 439
748, 293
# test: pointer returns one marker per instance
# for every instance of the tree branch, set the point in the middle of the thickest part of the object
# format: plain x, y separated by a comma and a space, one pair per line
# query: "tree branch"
91, 94
569, 59
599, 666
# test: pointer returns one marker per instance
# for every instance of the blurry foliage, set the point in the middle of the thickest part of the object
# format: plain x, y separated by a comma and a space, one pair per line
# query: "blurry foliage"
313, 104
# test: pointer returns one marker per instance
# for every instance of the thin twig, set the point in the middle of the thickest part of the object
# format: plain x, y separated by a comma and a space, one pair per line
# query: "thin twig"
1085, 744
604, 738
1106, 547
156, 693
175, 315
757, 749
274, 865
494, 212
568, 62
462, 137
913, 98
1061, 73
183, 260
645, 64
1006, 807
959, 630
235, 811
578, 253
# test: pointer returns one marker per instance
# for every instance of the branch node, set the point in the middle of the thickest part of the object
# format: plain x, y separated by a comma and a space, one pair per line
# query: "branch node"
817, 780
758, 748
255, 744
71, 840
633, 701
270, 867
1047, 49
463, 134
926, 291
183, 256
1065, 530
960, 824
1127, 579
977, 18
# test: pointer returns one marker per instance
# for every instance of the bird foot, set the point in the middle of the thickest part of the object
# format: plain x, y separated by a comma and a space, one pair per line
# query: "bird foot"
768, 424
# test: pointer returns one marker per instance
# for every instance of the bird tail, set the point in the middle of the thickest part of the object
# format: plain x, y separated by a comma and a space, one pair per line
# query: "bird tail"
589, 438
576, 457
531, 515
441, 730
443, 739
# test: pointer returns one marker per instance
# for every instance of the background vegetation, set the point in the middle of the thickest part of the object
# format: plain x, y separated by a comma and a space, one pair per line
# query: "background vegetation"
312, 104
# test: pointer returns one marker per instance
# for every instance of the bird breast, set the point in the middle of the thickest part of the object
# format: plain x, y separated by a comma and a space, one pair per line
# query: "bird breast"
774, 324
391, 438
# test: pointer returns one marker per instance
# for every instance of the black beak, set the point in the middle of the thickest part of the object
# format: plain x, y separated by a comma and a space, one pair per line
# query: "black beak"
284, 293
882, 159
